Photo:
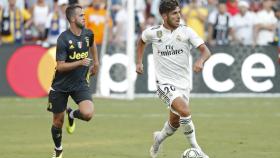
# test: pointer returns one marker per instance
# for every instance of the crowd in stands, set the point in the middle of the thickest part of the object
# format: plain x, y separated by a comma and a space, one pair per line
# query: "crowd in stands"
218, 22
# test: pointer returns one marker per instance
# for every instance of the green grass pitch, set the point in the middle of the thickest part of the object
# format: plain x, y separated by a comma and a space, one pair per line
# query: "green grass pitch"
225, 128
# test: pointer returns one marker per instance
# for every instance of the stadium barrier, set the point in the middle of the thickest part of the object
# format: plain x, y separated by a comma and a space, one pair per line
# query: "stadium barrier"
27, 71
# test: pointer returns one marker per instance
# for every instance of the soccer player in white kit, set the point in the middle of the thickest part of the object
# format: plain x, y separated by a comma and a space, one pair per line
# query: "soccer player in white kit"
172, 44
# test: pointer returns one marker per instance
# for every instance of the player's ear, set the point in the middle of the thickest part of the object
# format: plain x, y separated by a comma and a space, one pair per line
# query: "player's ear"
72, 19
164, 16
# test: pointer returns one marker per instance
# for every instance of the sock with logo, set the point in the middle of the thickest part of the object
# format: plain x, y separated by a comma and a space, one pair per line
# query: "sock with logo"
57, 137
189, 131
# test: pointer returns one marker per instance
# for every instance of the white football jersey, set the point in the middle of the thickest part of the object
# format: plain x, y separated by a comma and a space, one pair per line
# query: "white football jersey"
172, 54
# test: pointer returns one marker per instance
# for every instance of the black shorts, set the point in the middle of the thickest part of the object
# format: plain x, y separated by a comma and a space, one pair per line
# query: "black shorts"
58, 100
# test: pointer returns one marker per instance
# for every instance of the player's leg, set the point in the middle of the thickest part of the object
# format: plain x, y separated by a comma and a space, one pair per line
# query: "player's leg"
57, 105
169, 128
56, 131
181, 106
84, 100
84, 112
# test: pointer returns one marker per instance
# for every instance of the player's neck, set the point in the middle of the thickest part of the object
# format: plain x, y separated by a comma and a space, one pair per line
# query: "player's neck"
168, 27
75, 30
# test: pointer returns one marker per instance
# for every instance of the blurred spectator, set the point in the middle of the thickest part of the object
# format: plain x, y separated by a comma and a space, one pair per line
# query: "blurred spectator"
187, 2
243, 24
19, 4
56, 23
120, 29
140, 8
39, 10
73, 1
85, 3
232, 7
150, 21
155, 11
140, 5
148, 8
264, 29
13, 22
195, 17
31, 3
277, 13
211, 5
219, 26
184, 2
116, 6
255, 6
96, 18
275, 5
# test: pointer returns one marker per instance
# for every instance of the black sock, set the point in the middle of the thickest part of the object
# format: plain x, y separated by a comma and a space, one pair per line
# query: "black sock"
77, 114
57, 136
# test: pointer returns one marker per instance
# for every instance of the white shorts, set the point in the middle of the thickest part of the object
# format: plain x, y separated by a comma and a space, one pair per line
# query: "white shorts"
167, 93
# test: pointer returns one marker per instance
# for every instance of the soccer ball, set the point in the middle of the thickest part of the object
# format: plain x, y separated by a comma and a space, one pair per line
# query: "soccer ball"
191, 153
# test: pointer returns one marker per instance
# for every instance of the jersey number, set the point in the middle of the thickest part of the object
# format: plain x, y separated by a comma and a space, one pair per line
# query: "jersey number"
167, 89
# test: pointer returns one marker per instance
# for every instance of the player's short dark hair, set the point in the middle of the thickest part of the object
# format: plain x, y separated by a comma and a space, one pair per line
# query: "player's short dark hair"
70, 11
166, 6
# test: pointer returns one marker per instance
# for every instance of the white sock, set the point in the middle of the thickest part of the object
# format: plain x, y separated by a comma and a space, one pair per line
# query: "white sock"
189, 131
71, 114
60, 148
166, 131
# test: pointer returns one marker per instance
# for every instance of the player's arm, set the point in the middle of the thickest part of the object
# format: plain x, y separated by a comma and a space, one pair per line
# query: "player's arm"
204, 55
140, 52
198, 43
93, 50
146, 36
63, 66
61, 56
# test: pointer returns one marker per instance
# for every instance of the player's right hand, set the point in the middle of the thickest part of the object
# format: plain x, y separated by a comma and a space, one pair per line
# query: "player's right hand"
139, 68
86, 62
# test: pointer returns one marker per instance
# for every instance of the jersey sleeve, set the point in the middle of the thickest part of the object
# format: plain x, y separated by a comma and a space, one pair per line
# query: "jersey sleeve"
194, 38
61, 52
147, 35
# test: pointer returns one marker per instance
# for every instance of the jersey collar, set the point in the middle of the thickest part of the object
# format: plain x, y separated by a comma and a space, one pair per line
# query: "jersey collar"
165, 30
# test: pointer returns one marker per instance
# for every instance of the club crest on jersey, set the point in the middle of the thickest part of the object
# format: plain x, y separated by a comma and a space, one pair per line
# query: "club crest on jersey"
79, 44
71, 44
159, 34
87, 40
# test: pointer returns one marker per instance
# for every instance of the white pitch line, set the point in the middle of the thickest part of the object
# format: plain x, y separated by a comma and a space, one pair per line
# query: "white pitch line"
152, 115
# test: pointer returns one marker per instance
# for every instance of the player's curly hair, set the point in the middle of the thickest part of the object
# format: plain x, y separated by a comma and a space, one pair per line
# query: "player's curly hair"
166, 6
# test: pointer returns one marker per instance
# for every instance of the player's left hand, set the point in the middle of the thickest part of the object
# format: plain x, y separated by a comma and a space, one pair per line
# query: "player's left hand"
139, 68
198, 65
94, 69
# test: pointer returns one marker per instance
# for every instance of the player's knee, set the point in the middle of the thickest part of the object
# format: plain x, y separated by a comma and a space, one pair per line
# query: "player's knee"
184, 113
87, 116
174, 124
58, 122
